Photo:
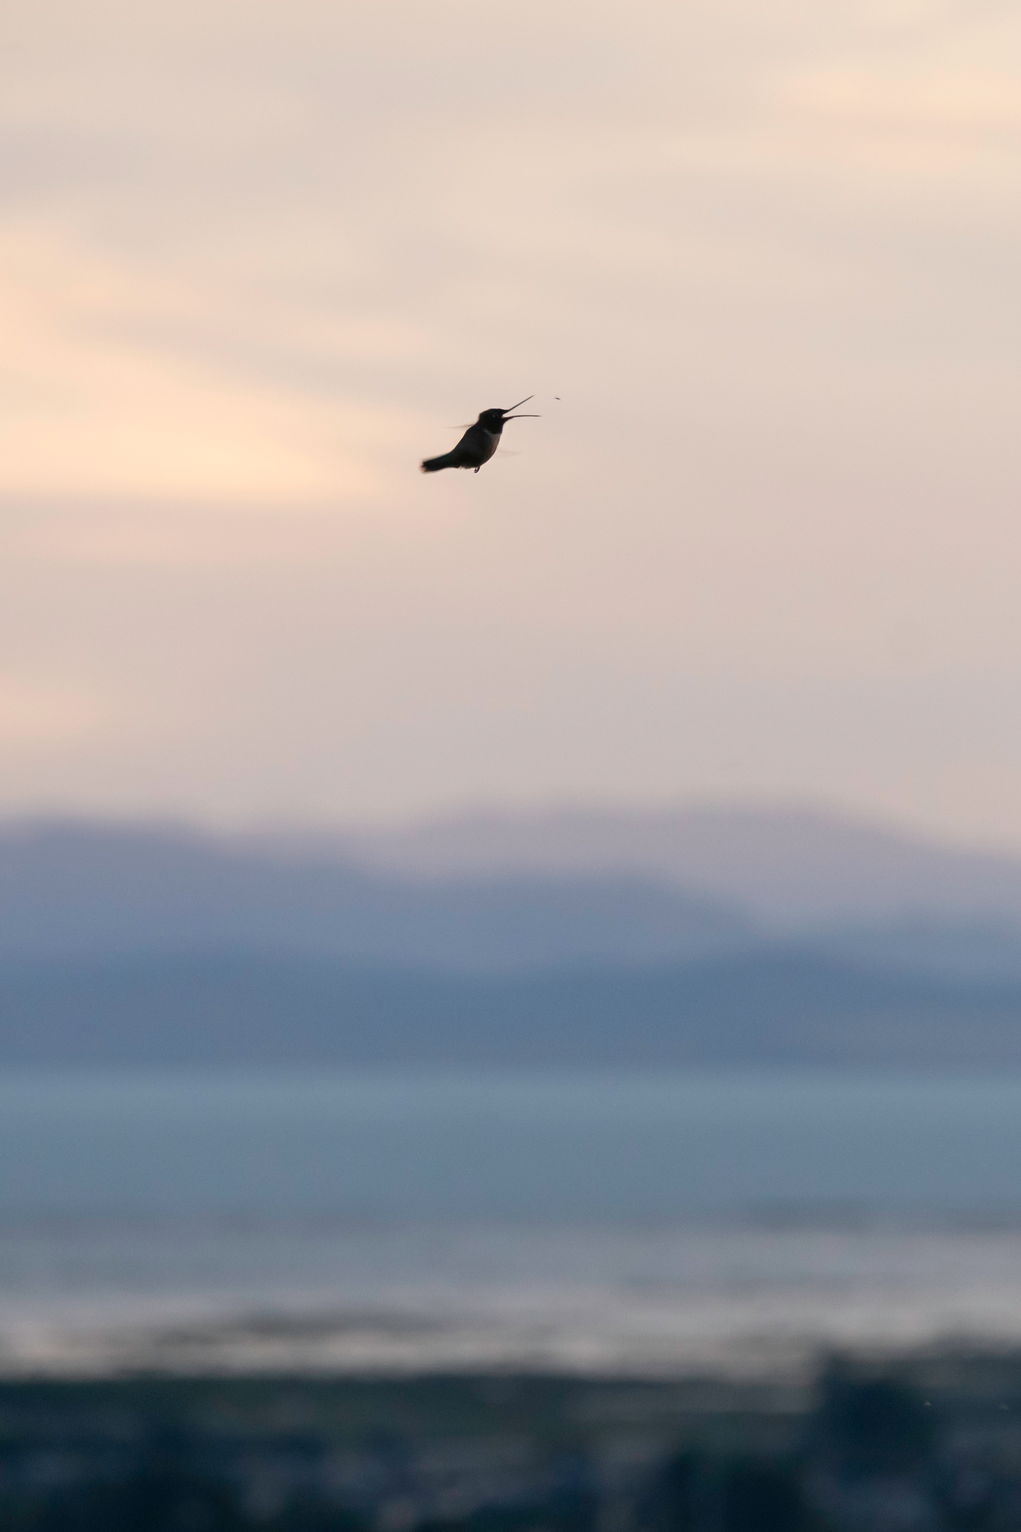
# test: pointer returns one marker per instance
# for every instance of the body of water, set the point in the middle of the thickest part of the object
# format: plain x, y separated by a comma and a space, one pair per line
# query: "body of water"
393, 1220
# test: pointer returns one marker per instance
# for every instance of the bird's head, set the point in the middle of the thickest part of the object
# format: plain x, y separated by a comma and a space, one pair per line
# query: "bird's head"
494, 420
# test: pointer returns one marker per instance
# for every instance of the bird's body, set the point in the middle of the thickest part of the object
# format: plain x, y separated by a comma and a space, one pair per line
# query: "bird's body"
476, 447
478, 443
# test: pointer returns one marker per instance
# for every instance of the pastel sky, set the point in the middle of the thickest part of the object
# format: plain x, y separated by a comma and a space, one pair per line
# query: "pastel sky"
257, 259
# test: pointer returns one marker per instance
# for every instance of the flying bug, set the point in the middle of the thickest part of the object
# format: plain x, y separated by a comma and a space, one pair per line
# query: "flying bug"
479, 442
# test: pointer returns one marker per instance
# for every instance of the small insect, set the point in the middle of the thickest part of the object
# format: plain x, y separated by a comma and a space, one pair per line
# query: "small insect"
479, 442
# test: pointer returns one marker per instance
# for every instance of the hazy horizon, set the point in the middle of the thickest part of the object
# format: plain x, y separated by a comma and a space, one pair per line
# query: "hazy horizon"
530, 812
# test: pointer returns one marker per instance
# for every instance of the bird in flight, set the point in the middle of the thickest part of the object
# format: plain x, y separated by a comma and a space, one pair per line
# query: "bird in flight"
479, 442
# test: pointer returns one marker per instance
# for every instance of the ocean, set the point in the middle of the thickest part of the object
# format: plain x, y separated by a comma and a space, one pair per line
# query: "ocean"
389, 1220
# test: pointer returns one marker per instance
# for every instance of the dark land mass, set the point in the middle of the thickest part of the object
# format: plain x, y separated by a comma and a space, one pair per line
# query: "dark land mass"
774, 1008
931, 1443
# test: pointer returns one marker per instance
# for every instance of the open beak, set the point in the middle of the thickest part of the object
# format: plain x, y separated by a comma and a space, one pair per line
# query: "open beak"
508, 416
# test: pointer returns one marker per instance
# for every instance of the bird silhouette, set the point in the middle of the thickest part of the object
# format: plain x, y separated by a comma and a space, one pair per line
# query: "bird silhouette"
479, 442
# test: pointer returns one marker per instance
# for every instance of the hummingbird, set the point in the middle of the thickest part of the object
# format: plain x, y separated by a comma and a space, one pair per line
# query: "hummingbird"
479, 442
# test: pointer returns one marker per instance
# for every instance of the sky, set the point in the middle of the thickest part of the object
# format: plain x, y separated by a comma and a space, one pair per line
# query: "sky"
257, 260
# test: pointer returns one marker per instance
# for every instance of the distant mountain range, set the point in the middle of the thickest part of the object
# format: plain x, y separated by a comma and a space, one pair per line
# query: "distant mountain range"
792, 868
701, 936
256, 1010
87, 890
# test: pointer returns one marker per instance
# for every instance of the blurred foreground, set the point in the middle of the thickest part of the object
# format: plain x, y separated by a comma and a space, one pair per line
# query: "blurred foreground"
934, 1443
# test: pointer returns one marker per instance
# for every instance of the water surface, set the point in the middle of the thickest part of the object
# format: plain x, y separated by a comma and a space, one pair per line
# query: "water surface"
368, 1219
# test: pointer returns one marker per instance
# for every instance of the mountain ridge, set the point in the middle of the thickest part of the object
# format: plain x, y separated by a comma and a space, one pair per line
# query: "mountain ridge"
157, 942
68, 890
789, 865
777, 1007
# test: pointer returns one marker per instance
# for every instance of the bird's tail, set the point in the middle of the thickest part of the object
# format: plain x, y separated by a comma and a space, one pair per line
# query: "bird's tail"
434, 464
